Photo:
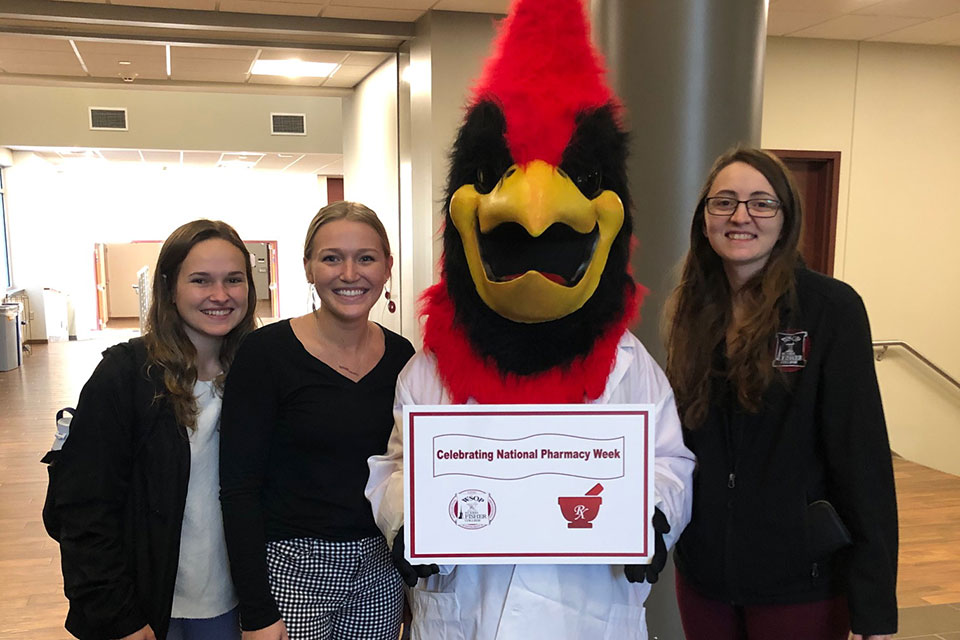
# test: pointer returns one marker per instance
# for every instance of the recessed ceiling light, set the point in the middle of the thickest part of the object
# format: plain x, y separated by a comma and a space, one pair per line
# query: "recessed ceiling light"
124, 62
236, 164
293, 68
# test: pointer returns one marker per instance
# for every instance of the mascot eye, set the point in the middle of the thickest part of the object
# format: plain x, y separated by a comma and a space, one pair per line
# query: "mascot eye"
588, 182
487, 179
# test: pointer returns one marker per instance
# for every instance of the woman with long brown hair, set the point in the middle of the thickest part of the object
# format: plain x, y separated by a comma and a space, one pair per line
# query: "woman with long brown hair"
308, 400
137, 511
794, 528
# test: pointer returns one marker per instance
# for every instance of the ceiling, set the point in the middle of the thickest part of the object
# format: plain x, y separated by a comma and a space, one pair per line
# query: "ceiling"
212, 45
215, 42
908, 21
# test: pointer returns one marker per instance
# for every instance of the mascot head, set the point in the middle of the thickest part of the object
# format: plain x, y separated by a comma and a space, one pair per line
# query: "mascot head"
536, 287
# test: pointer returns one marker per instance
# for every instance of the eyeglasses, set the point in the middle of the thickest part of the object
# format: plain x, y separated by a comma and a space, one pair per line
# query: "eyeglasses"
756, 207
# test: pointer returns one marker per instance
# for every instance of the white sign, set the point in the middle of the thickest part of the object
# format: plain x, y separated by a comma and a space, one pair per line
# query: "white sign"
534, 484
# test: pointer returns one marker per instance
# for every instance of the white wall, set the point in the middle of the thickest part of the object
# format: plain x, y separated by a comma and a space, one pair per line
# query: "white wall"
56, 216
893, 111
371, 170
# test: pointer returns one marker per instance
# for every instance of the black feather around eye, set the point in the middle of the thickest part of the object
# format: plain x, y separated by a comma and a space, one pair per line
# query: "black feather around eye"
480, 155
595, 157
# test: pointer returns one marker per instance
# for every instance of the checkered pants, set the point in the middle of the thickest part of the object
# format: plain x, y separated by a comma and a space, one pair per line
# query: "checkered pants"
336, 590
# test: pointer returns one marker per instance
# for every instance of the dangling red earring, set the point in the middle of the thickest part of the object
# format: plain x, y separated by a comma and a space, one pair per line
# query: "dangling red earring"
391, 305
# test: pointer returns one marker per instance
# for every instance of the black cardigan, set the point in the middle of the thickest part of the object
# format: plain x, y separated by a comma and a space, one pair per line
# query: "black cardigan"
294, 446
819, 435
122, 485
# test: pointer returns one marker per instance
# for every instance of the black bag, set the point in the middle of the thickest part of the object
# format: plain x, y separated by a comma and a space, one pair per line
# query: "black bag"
50, 521
826, 533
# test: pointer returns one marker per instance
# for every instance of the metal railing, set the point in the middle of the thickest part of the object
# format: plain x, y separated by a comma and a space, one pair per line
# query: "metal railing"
884, 345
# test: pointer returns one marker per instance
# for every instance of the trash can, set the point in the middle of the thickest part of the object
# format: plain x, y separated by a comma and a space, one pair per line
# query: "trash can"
10, 353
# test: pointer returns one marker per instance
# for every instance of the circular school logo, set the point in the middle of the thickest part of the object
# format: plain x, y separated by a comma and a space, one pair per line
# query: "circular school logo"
472, 509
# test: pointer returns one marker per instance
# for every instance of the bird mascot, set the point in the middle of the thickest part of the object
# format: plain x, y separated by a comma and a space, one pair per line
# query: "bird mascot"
533, 306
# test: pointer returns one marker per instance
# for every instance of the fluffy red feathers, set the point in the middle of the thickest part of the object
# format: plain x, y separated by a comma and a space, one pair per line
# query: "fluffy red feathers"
542, 73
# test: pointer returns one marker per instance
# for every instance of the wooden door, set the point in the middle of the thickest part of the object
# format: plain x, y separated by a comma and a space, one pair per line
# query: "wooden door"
122, 262
263, 260
334, 189
817, 174
100, 274
274, 280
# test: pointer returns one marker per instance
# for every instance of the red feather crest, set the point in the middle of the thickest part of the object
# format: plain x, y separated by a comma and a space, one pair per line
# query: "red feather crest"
543, 72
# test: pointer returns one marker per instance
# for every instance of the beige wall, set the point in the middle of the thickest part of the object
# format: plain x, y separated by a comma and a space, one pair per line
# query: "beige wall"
196, 120
444, 60
893, 111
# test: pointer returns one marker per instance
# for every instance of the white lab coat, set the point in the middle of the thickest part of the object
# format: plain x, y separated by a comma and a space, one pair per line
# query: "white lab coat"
525, 602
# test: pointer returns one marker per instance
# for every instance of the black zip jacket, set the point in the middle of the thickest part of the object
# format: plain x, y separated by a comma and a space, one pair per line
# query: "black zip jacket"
820, 434
121, 490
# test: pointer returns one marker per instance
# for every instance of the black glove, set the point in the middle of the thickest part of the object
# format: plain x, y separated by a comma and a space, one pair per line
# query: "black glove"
651, 572
409, 572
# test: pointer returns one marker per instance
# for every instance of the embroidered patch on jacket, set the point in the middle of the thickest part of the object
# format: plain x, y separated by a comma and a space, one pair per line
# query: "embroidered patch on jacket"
793, 347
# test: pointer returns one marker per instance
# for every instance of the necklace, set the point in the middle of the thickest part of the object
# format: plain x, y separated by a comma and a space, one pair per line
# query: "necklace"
343, 367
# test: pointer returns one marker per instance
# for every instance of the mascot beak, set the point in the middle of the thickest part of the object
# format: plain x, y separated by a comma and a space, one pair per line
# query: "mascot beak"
537, 243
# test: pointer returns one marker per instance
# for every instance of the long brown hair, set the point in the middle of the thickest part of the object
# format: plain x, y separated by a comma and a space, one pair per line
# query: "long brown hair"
168, 346
701, 307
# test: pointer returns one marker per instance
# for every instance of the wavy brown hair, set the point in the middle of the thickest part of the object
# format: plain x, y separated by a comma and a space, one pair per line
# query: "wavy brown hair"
168, 346
700, 310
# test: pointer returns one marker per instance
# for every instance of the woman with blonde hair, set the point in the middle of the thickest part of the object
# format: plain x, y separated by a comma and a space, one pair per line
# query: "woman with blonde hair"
794, 528
308, 400
140, 531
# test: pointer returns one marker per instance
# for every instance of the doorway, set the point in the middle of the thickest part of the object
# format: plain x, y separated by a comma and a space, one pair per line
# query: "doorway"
122, 298
817, 174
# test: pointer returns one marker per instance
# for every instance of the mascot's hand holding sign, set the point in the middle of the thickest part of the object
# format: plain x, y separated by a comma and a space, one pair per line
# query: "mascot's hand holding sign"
533, 306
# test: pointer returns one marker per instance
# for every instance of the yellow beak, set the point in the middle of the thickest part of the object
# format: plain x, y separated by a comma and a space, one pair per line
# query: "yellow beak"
535, 197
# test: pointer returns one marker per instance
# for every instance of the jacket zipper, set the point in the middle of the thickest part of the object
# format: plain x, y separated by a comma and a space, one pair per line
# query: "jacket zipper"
733, 455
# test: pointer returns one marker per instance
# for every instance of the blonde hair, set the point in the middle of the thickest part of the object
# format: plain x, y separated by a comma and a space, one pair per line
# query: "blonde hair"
344, 210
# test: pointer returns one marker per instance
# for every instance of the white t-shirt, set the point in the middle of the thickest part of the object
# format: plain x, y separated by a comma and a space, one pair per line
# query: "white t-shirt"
203, 588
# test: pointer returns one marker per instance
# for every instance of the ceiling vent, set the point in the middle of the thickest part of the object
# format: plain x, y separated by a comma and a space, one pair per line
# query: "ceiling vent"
108, 119
288, 124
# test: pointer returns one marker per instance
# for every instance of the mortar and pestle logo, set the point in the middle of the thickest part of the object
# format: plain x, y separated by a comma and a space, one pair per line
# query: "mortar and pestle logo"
581, 510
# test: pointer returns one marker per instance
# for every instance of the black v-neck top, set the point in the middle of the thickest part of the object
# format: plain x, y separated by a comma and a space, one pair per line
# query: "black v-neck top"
295, 438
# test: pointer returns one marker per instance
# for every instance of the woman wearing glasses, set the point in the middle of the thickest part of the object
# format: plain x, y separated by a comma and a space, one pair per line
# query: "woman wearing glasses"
794, 529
